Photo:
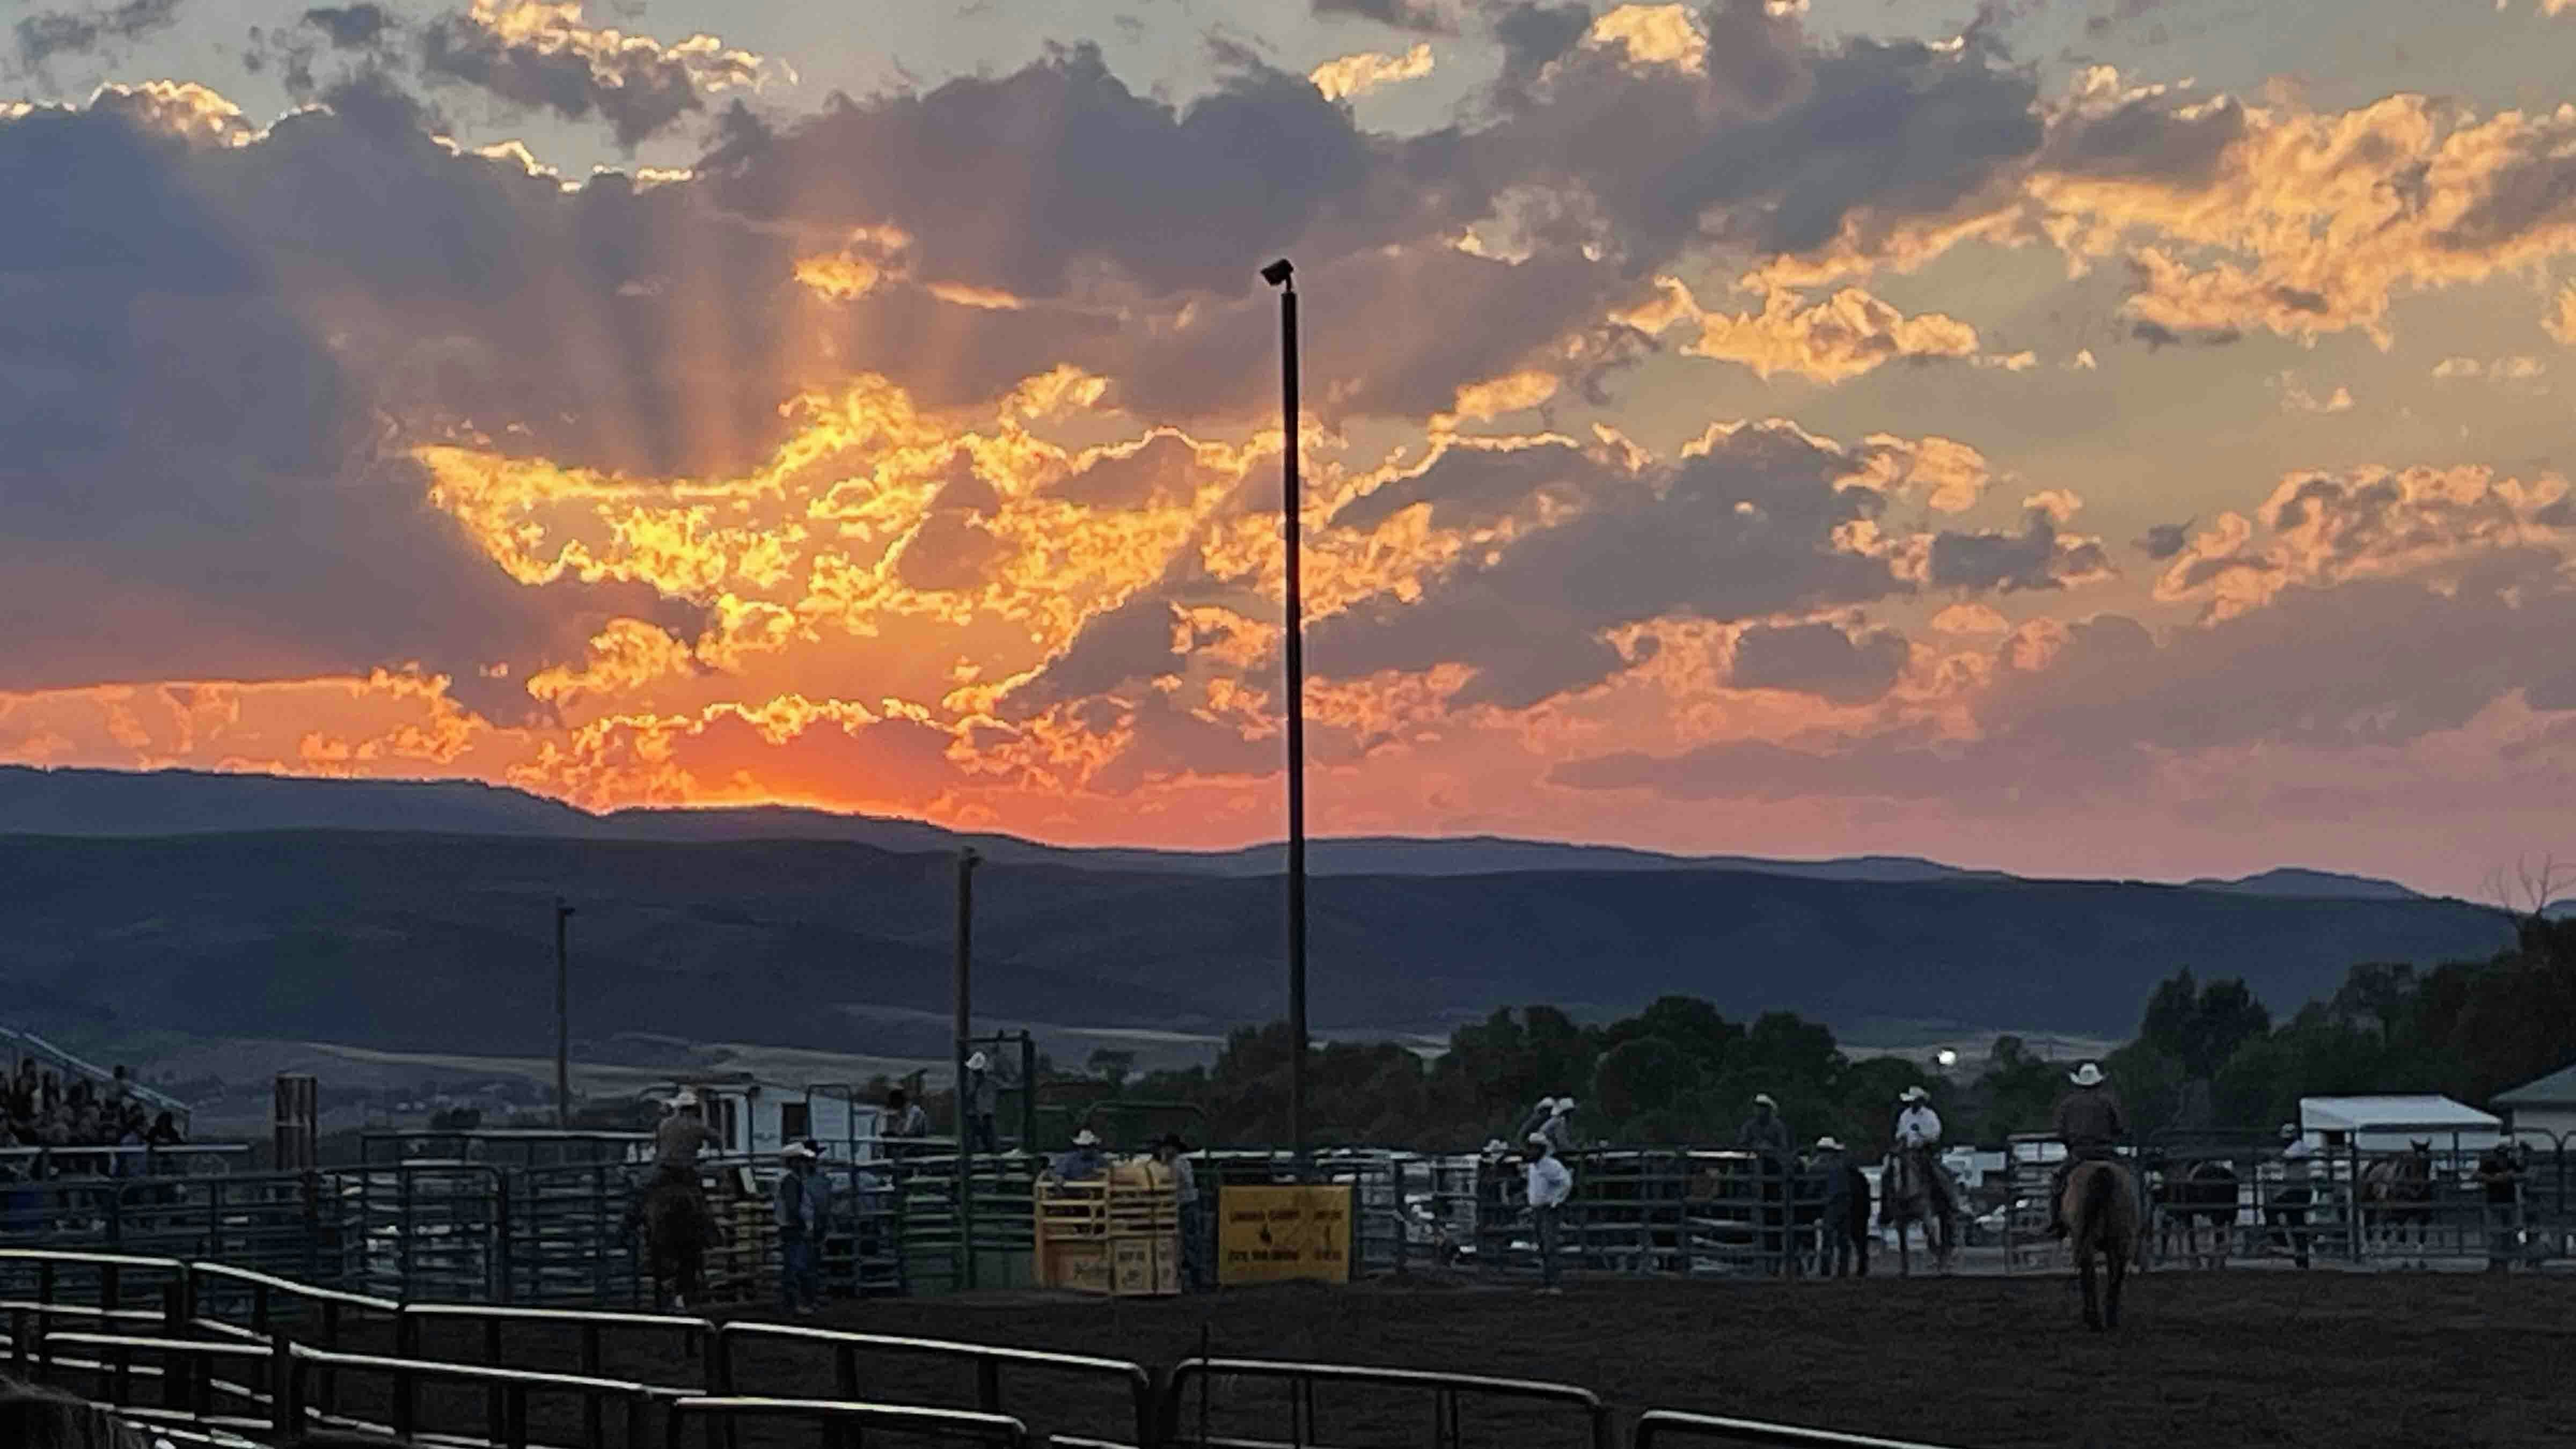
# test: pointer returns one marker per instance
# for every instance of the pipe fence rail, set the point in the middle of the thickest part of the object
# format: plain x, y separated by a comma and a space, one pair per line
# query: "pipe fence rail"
845, 1425
1664, 1426
1590, 1424
238, 1387
1118, 1383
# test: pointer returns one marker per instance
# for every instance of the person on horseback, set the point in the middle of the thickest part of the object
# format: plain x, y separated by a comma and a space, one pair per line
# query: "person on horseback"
2091, 1123
1918, 1144
677, 1141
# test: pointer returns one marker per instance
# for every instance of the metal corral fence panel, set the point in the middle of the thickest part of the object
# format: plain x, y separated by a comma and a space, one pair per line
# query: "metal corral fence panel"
2218, 1199
1200, 1403
1110, 1400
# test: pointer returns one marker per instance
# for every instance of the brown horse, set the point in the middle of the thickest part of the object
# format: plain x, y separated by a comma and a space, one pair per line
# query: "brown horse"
677, 1230
1916, 1188
2398, 1192
2101, 1210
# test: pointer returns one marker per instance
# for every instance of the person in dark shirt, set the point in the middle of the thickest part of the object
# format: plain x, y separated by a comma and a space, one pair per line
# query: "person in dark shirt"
2091, 1122
2500, 1174
1766, 1135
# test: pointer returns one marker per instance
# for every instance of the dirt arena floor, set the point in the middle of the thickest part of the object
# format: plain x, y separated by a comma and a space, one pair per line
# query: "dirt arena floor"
2237, 1358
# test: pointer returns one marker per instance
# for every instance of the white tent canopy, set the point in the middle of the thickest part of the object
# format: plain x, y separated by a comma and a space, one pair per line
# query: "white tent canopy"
2387, 1124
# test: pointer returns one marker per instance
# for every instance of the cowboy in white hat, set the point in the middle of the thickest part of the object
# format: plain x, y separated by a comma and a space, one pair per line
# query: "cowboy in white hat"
1767, 1134
983, 1100
1843, 1235
801, 1206
1538, 1118
681, 1135
1550, 1184
1084, 1162
1917, 1125
1559, 1127
2090, 1122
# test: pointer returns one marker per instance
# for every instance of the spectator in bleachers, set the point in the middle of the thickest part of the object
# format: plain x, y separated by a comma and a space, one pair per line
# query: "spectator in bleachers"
164, 1132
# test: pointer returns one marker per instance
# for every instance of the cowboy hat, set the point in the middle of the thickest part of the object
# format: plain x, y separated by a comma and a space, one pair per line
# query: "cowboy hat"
1086, 1138
1496, 1147
795, 1149
1914, 1094
1828, 1144
1547, 1104
1764, 1099
1538, 1139
2289, 1130
1564, 1105
2087, 1075
685, 1098
1173, 1141
977, 1062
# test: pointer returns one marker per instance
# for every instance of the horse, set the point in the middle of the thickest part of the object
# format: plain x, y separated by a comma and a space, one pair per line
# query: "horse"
1915, 1188
2206, 1191
2100, 1206
677, 1229
2397, 1191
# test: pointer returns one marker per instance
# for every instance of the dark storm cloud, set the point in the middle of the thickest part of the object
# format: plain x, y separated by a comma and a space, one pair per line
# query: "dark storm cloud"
51, 33
2164, 540
350, 27
640, 88
206, 482
1532, 34
1819, 659
1743, 531
1178, 199
1417, 15
2038, 557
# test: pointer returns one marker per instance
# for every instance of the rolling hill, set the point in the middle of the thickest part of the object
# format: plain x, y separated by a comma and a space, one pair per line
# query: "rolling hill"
428, 941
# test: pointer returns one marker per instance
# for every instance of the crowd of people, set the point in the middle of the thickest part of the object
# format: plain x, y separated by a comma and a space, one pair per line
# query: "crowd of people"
38, 1109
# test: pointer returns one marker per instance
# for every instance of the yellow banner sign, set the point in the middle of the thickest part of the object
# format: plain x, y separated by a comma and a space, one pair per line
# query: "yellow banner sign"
1272, 1234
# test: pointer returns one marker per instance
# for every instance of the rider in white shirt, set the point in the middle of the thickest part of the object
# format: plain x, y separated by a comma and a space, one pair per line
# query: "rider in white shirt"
1917, 1125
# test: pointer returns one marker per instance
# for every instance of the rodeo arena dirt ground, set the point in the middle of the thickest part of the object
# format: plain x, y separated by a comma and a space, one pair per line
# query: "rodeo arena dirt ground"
2246, 1357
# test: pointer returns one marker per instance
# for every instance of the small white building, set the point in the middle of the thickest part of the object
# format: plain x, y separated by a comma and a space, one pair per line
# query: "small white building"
2391, 1124
2547, 1105
749, 1118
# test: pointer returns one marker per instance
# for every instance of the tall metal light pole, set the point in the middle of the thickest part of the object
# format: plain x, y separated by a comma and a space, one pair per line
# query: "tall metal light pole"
563, 1017
1283, 276
967, 860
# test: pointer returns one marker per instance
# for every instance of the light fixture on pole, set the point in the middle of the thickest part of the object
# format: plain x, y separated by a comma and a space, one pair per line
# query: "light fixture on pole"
1283, 276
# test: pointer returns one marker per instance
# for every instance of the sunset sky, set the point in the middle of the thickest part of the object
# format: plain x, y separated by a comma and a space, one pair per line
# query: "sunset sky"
2100, 437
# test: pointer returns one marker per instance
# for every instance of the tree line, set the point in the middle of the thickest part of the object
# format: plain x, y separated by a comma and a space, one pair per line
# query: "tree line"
2207, 1055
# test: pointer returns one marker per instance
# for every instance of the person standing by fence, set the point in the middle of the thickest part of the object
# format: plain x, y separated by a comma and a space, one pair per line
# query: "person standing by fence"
2500, 1173
905, 1123
1175, 1154
983, 1101
801, 1206
1843, 1227
1766, 1136
2290, 1205
1550, 1184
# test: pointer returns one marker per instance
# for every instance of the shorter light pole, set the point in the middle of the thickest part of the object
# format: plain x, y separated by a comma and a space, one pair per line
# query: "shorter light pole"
563, 1016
